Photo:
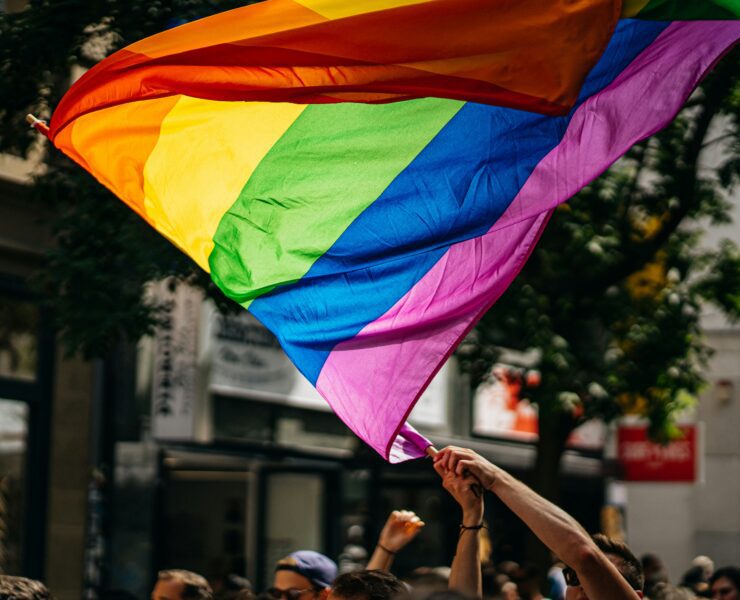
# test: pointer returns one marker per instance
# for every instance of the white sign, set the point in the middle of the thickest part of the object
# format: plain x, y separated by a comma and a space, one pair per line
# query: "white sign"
431, 408
174, 381
246, 360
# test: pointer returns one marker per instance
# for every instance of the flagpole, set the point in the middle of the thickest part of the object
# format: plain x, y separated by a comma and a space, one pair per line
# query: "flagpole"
37, 124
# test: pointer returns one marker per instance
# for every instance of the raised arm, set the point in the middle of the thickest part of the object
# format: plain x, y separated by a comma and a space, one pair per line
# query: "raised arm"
465, 575
553, 526
401, 527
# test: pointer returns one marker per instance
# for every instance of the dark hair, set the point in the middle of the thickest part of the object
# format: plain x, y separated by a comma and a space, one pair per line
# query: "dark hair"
447, 595
693, 576
429, 579
629, 567
731, 573
119, 595
195, 586
237, 583
665, 591
368, 585
20, 588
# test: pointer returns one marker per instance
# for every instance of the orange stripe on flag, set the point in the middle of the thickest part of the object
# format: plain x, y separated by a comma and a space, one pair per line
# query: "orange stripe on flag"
252, 21
116, 143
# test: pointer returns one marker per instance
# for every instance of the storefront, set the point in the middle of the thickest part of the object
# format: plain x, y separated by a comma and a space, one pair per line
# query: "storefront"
238, 461
25, 412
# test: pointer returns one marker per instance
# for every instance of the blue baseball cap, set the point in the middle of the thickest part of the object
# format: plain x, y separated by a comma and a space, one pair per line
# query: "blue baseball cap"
320, 570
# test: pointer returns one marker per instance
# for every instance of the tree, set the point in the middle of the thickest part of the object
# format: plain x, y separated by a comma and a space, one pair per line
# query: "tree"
611, 296
95, 276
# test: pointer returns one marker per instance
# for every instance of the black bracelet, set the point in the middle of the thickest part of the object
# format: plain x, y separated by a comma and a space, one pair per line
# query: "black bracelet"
464, 528
382, 547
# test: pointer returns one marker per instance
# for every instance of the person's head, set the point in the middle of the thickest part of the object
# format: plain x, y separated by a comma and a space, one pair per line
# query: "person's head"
428, 580
367, 585
621, 557
725, 584
302, 575
651, 565
695, 580
233, 587
706, 563
178, 584
528, 581
665, 591
20, 588
441, 595
509, 591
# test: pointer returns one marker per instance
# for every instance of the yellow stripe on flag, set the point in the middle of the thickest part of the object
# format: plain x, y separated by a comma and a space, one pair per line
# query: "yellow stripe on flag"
207, 150
338, 9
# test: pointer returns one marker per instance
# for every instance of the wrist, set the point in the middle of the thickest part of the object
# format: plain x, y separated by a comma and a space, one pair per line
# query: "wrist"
472, 518
496, 478
386, 549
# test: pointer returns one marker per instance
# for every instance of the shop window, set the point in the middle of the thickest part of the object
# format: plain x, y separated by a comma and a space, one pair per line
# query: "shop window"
19, 323
13, 437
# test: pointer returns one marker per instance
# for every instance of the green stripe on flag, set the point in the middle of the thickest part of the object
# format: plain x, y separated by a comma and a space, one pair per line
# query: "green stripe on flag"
327, 168
677, 10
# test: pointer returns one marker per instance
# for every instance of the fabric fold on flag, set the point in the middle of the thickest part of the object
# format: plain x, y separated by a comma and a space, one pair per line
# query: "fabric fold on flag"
369, 238
529, 54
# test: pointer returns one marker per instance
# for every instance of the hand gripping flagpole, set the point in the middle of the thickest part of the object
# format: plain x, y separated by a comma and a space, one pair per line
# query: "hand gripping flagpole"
477, 488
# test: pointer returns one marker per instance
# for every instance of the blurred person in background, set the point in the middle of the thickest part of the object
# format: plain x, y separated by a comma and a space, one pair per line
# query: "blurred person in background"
706, 563
509, 591
400, 528
725, 584
695, 580
368, 585
20, 588
666, 591
178, 584
508, 568
428, 580
556, 580
303, 575
230, 587
353, 556
528, 583
119, 595
655, 572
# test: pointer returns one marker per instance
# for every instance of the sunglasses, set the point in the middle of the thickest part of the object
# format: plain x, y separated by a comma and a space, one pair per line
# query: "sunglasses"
289, 594
571, 578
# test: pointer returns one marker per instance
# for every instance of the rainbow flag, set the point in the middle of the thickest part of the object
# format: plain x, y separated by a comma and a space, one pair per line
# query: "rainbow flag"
528, 54
370, 237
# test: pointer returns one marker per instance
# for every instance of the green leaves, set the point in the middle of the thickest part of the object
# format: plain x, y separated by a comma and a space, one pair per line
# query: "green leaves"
95, 277
612, 294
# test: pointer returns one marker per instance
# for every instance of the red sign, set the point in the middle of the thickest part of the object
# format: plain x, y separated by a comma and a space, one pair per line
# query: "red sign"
644, 460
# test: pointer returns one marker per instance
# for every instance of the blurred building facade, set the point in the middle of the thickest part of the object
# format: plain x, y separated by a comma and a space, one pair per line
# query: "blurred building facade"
679, 521
202, 447
45, 408
227, 459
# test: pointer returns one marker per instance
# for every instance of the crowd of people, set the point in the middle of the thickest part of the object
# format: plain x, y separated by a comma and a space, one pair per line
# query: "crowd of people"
587, 567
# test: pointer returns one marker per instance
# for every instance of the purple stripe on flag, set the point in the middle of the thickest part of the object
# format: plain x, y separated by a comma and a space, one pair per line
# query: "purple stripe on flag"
393, 356
399, 353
